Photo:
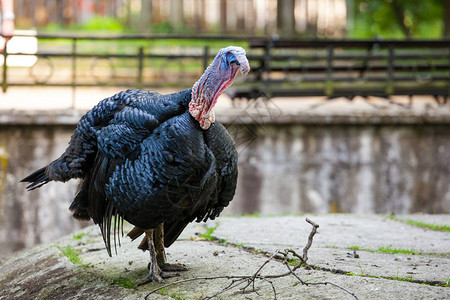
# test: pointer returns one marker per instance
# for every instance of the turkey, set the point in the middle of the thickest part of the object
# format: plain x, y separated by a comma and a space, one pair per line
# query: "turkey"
156, 161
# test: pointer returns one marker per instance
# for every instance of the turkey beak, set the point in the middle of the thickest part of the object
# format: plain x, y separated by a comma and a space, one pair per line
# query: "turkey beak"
243, 62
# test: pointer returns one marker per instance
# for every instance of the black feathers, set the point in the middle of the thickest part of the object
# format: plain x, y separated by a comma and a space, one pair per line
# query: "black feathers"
141, 157
37, 179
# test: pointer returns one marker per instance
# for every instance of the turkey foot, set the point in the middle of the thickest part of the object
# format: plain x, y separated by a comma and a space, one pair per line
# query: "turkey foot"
169, 270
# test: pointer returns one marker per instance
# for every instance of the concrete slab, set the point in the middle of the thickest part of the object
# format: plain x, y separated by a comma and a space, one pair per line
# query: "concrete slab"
42, 272
430, 262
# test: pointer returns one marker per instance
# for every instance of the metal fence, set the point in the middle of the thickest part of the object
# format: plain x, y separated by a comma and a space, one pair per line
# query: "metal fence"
331, 68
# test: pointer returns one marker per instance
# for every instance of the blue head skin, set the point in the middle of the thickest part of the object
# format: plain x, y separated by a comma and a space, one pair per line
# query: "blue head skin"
217, 77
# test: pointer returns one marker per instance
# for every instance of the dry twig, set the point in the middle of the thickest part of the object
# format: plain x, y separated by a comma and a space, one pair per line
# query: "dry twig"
251, 279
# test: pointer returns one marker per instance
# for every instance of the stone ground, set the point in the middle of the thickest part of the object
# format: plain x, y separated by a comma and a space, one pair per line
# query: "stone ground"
240, 246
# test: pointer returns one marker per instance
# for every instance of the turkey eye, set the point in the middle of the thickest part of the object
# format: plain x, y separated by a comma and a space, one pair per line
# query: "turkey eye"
235, 62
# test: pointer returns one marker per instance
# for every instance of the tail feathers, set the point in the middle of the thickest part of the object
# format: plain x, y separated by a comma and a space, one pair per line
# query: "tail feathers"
135, 233
36, 179
79, 206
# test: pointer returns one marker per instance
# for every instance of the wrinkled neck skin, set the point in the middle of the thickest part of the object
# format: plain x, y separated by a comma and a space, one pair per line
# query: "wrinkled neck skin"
217, 77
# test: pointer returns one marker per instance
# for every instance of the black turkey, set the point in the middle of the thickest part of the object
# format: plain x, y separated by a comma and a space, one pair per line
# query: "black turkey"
157, 161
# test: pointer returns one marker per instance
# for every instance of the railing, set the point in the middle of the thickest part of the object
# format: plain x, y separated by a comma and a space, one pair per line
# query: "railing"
77, 50
349, 68
331, 68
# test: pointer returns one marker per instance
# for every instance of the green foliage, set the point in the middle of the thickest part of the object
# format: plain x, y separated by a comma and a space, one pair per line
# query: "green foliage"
354, 247
389, 249
95, 24
124, 282
100, 23
397, 19
179, 295
74, 256
78, 236
294, 261
363, 273
421, 224
208, 234
71, 253
446, 282
428, 226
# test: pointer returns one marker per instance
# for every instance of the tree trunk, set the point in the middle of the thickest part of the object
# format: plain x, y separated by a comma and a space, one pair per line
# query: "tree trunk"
223, 16
400, 15
285, 17
176, 13
200, 16
446, 18
145, 16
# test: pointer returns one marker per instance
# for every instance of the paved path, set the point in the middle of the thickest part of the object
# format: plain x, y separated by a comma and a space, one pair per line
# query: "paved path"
43, 272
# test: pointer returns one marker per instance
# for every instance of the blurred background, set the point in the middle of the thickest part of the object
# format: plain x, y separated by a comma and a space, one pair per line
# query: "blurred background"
345, 109
301, 18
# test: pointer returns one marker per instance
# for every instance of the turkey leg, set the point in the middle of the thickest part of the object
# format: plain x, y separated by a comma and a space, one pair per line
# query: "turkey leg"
161, 255
154, 270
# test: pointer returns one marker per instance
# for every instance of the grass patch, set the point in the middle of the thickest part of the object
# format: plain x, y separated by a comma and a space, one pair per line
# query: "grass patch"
435, 227
78, 236
73, 255
446, 282
179, 295
124, 282
407, 278
354, 247
389, 249
208, 234
365, 274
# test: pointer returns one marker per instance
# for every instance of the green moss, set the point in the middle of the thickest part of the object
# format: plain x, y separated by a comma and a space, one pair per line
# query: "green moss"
389, 249
78, 236
407, 278
354, 247
295, 262
71, 253
74, 256
435, 227
124, 282
179, 295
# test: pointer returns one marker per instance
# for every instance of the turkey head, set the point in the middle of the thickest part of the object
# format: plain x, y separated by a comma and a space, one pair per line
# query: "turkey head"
217, 77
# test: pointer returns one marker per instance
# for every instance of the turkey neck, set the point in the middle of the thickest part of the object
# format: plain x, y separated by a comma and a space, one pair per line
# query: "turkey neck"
204, 97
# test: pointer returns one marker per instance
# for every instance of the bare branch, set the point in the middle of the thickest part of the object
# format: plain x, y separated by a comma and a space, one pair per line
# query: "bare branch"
251, 279
310, 239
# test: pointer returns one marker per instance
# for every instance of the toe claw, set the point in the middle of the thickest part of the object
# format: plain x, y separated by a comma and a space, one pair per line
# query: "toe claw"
173, 267
169, 274
150, 278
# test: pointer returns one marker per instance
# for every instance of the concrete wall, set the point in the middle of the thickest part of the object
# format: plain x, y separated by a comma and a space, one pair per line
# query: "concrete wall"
287, 167
29, 218
345, 168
